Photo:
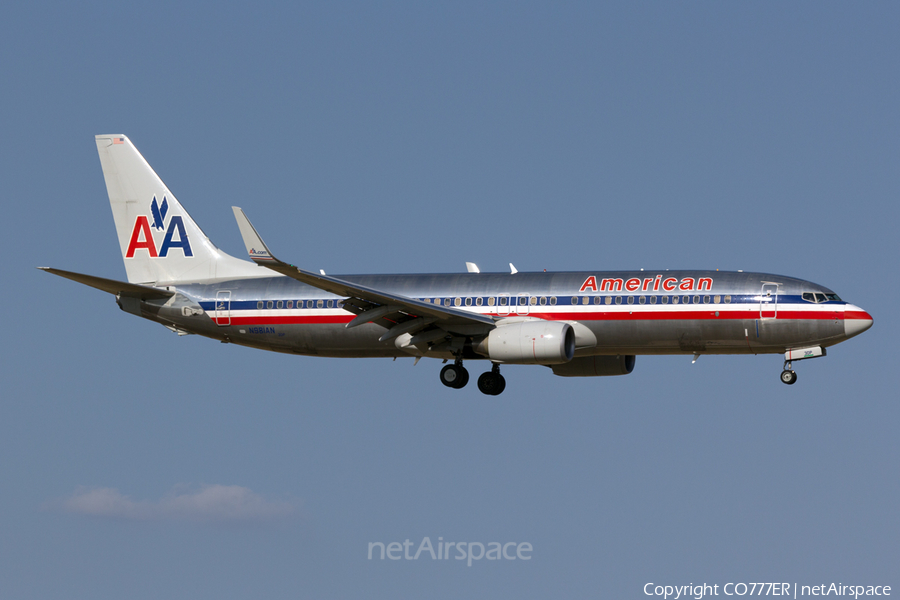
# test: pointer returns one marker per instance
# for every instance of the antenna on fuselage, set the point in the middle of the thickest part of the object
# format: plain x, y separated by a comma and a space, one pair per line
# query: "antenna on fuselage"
472, 268
512, 269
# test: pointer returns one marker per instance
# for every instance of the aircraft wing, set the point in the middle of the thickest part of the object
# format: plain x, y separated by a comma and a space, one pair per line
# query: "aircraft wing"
119, 288
400, 313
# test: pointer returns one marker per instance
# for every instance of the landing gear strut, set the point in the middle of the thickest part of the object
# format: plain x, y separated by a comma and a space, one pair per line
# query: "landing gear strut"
788, 376
455, 375
492, 383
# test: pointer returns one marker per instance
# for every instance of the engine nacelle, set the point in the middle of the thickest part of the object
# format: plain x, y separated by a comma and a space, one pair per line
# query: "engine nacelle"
530, 343
596, 366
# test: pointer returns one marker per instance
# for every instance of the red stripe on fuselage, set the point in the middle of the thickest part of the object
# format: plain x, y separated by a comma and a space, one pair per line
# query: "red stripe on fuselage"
635, 315
858, 314
292, 320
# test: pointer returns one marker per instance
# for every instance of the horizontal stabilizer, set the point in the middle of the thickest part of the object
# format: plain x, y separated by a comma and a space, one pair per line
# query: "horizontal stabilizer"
119, 288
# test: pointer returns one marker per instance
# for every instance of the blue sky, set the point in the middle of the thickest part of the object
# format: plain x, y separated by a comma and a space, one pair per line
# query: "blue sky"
409, 137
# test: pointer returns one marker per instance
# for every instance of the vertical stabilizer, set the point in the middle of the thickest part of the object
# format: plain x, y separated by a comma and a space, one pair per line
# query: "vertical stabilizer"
160, 242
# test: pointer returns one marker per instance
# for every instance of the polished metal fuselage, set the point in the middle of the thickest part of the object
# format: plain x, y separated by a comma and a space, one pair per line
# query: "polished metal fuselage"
734, 313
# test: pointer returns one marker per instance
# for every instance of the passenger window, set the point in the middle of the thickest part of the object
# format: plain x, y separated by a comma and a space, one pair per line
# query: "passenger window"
269, 304
543, 300
596, 299
478, 301
642, 299
652, 299
674, 299
574, 300
503, 300
630, 299
665, 299
330, 303
618, 299
608, 300
320, 303
259, 305
717, 299
290, 304
468, 302
491, 301
728, 299
533, 300
696, 299
705, 299
552, 300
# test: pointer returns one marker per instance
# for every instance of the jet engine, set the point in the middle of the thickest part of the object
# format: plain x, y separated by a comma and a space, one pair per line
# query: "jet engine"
596, 366
530, 343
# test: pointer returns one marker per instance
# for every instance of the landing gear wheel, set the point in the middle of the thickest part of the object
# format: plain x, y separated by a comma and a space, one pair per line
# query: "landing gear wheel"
502, 385
788, 377
454, 376
492, 383
487, 383
464, 379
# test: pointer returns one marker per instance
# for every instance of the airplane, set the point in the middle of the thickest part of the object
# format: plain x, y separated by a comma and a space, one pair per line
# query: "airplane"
579, 324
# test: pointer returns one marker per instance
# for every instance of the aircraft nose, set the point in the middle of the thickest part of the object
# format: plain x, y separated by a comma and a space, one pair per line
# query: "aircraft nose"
856, 320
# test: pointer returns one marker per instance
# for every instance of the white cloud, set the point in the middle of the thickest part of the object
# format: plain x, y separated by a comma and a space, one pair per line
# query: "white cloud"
208, 503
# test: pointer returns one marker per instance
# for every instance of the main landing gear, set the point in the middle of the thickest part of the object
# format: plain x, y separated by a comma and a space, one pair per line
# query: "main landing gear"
788, 376
455, 376
492, 382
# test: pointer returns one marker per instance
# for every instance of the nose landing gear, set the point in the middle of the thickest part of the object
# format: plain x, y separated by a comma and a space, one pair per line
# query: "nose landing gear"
787, 375
492, 382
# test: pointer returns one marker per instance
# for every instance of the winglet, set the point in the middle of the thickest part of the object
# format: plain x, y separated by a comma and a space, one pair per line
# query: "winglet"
256, 248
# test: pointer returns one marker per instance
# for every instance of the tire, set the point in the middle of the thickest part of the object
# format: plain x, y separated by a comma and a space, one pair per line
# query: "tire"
501, 384
450, 376
463, 379
788, 377
454, 377
488, 383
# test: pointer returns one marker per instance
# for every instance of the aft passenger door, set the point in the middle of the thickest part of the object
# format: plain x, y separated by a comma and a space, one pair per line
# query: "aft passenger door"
768, 301
223, 308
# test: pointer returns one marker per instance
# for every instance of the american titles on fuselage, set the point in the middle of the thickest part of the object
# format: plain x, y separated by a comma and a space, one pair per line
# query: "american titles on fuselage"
647, 284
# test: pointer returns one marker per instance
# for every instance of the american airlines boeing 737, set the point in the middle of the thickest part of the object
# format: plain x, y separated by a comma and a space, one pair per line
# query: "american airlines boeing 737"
579, 324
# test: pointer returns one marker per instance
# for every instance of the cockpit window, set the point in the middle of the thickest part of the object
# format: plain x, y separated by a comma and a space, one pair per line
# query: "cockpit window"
820, 297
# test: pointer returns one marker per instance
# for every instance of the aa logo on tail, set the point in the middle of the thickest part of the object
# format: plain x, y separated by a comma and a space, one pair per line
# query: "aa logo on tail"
142, 237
